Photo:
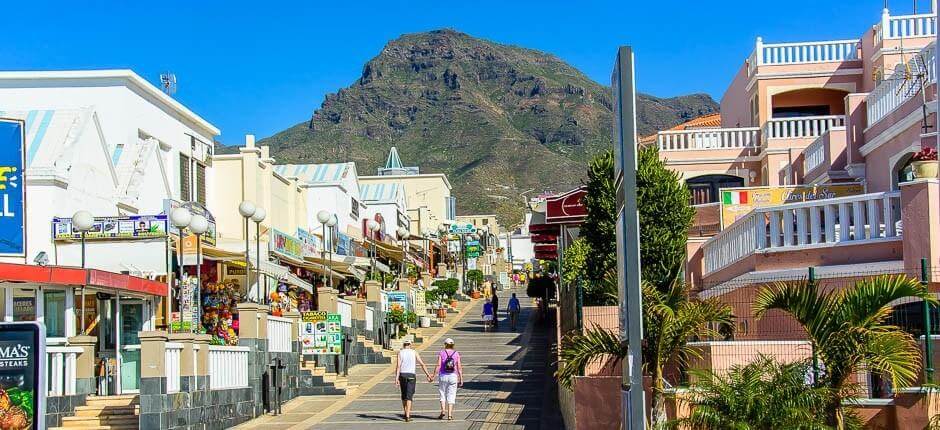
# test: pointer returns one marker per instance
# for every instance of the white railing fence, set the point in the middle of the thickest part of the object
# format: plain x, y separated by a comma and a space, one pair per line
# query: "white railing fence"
370, 318
280, 331
768, 54
719, 138
196, 370
172, 363
62, 363
856, 219
344, 309
815, 154
228, 367
903, 84
801, 127
905, 26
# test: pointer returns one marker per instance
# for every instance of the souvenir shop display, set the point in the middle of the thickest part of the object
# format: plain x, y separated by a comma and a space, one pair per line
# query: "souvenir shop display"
219, 300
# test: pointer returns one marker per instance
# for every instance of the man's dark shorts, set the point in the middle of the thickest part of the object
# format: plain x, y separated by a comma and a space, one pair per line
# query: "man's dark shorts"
407, 382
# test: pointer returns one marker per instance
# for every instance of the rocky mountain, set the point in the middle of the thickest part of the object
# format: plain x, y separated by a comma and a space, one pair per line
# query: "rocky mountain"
497, 119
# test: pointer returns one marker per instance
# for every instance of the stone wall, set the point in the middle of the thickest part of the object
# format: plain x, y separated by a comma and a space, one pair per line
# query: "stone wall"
59, 407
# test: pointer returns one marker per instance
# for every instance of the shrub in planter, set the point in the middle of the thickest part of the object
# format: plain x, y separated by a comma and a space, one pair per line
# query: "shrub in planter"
924, 163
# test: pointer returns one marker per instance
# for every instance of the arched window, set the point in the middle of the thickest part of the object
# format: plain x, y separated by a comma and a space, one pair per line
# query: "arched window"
704, 189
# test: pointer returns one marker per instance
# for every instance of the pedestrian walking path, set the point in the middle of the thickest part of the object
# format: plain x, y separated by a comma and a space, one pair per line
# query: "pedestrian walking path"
507, 383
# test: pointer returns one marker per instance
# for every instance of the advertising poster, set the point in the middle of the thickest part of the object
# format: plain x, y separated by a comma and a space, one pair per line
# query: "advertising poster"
399, 299
12, 188
209, 237
737, 202
285, 244
21, 376
321, 333
117, 227
311, 244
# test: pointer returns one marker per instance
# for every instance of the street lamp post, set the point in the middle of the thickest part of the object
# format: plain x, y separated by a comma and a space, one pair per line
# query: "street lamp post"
331, 223
324, 217
442, 235
403, 234
257, 217
199, 225
372, 227
82, 222
181, 218
247, 209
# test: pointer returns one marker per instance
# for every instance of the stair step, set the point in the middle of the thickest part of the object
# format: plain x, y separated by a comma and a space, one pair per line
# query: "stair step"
106, 420
122, 400
97, 411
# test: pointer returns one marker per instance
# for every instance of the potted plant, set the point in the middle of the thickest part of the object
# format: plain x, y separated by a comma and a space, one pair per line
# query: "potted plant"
396, 320
924, 163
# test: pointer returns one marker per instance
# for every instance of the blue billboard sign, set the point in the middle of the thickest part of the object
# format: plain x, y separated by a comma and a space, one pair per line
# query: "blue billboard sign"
12, 188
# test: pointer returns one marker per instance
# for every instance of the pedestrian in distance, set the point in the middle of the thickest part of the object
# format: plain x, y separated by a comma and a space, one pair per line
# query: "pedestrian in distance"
487, 315
405, 378
513, 310
495, 308
449, 372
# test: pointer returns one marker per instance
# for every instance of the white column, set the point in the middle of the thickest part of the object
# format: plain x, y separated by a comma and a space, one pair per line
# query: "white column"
774, 229
858, 221
70, 312
845, 223
801, 226
40, 305
118, 353
788, 227
888, 217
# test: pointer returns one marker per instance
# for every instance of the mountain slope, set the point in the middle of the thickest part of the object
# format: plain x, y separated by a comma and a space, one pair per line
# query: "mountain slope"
496, 119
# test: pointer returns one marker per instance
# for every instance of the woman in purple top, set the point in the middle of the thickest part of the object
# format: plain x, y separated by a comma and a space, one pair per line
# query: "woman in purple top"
450, 376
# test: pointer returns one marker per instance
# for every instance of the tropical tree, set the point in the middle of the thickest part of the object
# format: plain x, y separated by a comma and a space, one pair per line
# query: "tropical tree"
671, 318
849, 331
599, 227
763, 394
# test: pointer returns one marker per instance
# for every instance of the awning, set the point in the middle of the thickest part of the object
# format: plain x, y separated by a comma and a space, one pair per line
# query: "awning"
389, 250
220, 254
281, 273
76, 277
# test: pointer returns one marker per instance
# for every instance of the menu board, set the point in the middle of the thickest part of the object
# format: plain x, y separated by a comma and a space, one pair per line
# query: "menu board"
321, 333
116, 227
399, 299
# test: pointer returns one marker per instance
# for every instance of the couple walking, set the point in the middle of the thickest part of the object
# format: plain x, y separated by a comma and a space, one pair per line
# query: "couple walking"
449, 372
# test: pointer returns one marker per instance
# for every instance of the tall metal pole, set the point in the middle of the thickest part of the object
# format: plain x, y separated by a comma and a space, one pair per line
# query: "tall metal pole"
198, 283
463, 262
258, 259
329, 276
179, 279
247, 261
812, 279
323, 250
83, 284
928, 342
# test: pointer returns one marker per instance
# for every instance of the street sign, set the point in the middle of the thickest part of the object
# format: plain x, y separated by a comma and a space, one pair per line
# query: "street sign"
462, 228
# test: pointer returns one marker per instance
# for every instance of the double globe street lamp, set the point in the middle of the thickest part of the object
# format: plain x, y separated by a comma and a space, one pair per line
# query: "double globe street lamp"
372, 228
327, 220
403, 234
249, 211
197, 224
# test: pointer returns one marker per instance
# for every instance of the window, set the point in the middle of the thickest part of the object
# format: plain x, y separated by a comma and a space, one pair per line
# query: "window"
24, 305
800, 111
185, 178
485, 221
53, 306
705, 189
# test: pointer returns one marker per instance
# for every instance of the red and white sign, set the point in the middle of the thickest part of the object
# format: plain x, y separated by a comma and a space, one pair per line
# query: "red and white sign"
567, 208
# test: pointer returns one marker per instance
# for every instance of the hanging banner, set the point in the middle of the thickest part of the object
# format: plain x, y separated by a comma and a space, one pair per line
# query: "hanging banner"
12, 188
285, 244
462, 228
310, 244
473, 249
321, 333
738, 202
113, 228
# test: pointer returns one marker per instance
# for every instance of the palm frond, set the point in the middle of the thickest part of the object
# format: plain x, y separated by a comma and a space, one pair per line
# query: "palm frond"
578, 351
801, 299
868, 302
895, 354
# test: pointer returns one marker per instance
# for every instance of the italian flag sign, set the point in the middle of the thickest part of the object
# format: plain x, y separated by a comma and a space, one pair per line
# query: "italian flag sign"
734, 197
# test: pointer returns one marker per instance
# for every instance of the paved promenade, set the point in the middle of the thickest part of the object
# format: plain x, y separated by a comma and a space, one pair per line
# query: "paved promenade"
507, 383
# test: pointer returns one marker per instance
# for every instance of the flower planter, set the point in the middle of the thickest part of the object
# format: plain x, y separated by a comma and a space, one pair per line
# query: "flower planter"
925, 169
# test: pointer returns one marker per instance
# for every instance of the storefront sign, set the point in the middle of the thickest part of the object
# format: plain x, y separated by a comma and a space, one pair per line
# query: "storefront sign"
473, 249
234, 270
113, 227
462, 228
398, 299
567, 208
343, 244
22, 375
321, 333
285, 244
737, 202
12, 188
209, 237
420, 301
311, 245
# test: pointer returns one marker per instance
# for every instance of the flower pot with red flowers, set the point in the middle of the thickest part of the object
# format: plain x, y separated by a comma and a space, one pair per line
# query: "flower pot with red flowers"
924, 164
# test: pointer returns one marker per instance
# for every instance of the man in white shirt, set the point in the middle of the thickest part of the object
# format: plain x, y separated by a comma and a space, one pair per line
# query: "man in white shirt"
405, 375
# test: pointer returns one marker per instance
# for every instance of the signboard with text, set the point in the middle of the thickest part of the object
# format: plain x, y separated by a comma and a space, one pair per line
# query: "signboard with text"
398, 299
462, 228
22, 375
311, 245
737, 202
567, 208
209, 237
113, 227
285, 244
321, 333
12, 188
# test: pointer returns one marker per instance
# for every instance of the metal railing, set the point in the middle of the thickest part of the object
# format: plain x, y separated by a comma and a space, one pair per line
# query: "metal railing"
228, 367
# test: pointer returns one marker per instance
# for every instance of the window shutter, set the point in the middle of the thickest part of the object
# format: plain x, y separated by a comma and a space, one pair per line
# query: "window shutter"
185, 179
201, 183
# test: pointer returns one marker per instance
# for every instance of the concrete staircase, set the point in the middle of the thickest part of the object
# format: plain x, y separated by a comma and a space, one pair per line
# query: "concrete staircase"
105, 413
316, 380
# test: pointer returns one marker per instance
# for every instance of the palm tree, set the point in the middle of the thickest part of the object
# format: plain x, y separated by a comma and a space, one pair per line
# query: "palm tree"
848, 330
671, 319
763, 394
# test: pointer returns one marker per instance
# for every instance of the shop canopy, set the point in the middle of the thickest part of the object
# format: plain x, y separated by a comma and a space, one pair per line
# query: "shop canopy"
76, 277
390, 250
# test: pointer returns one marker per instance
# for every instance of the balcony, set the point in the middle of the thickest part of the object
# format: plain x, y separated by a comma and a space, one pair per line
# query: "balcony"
781, 54
862, 219
905, 26
708, 139
902, 85
806, 127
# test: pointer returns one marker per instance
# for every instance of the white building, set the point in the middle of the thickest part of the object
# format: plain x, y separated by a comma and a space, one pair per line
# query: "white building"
331, 187
389, 201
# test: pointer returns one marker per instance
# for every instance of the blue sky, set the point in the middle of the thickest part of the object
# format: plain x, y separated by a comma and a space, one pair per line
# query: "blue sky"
260, 67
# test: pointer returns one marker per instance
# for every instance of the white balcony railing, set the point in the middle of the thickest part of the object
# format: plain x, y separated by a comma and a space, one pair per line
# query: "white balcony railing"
228, 367
172, 363
370, 318
344, 309
716, 138
901, 85
62, 365
815, 154
778, 54
905, 26
801, 127
856, 219
280, 331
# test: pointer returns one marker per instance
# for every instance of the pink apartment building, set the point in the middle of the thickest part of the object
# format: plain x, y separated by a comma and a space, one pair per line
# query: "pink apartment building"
823, 112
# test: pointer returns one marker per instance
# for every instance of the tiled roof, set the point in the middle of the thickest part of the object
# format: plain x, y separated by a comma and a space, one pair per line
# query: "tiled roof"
315, 173
711, 120
379, 192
